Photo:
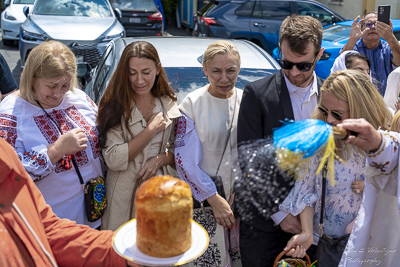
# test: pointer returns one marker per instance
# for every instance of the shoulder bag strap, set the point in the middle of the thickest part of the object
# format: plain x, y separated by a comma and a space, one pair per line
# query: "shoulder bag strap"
229, 133
321, 216
72, 156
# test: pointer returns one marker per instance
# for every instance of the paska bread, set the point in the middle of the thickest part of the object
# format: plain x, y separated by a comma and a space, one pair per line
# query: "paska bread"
164, 209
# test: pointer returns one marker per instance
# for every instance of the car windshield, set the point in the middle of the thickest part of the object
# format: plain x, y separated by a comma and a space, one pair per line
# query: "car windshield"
336, 33
139, 5
85, 8
23, 2
185, 80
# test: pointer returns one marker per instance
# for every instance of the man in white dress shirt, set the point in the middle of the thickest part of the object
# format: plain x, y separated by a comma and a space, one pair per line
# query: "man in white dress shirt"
291, 93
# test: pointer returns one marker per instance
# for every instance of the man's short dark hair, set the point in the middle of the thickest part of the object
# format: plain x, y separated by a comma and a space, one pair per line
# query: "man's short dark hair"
349, 58
299, 31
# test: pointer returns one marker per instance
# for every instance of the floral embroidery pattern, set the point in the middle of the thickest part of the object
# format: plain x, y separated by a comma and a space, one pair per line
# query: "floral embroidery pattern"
212, 255
180, 131
36, 160
51, 134
91, 132
181, 169
8, 128
91, 101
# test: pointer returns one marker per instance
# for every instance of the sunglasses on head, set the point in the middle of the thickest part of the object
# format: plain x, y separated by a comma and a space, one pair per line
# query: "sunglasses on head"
334, 114
302, 66
370, 24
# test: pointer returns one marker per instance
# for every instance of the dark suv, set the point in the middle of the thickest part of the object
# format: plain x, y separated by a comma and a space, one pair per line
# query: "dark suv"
140, 17
255, 20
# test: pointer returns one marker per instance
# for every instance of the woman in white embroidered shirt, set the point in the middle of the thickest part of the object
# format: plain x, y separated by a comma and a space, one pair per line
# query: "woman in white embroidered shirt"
136, 120
31, 120
206, 141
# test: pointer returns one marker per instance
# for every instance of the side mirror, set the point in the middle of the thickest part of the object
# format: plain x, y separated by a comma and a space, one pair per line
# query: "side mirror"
335, 19
26, 11
6, 3
118, 13
83, 73
83, 69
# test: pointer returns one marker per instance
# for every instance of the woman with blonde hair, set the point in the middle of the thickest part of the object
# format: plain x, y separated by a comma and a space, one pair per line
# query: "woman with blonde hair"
206, 147
136, 121
49, 121
395, 123
344, 95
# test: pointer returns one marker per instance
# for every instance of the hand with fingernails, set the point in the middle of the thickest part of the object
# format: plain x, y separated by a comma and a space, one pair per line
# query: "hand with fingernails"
298, 244
222, 211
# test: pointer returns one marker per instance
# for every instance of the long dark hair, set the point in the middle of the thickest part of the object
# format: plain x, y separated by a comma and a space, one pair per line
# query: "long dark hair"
116, 103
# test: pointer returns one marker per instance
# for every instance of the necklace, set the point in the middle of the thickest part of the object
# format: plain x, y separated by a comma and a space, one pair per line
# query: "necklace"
148, 110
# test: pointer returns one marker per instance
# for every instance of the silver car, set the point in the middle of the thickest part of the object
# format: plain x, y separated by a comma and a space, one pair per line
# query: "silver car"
12, 18
181, 58
86, 26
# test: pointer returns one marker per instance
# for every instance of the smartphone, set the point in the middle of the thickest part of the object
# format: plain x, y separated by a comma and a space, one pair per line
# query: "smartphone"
384, 14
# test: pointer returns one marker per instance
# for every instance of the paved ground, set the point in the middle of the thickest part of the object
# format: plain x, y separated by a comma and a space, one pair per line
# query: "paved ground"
11, 53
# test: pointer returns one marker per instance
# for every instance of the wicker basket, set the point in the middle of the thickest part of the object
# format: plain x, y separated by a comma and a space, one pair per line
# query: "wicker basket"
293, 262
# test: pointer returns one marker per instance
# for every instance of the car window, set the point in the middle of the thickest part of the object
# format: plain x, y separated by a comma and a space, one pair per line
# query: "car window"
324, 16
103, 73
336, 33
272, 10
86, 8
210, 7
187, 79
25, 2
245, 10
139, 5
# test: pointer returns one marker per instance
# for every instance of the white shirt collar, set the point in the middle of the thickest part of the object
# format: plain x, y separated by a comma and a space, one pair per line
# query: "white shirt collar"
312, 87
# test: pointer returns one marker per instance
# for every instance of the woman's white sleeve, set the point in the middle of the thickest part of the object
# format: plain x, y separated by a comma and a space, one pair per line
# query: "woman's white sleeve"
188, 157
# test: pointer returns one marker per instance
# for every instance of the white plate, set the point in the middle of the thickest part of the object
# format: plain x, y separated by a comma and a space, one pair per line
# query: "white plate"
124, 243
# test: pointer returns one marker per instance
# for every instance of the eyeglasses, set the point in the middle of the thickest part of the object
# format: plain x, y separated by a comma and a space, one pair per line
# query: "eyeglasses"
336, 115
370, 24
302, 66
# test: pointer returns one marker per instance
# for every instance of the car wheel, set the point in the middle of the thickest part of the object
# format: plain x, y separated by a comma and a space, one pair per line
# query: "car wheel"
8, 42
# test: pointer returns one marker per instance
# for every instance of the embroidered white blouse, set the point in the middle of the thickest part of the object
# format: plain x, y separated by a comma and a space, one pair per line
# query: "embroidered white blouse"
341, 203
28, 129
375, 239
200, 140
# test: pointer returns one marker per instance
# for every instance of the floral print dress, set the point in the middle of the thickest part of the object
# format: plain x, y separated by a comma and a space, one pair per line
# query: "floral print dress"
341, 203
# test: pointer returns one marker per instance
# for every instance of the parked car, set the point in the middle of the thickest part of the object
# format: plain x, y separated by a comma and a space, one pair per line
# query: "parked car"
334, 37
255, 20
181, 59
11, 19
86, 26
140, 17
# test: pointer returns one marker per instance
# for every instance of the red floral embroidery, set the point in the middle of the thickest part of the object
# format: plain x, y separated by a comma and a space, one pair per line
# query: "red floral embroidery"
180, 132
91, 101
180, 167
8, 128
51, 133
91, 132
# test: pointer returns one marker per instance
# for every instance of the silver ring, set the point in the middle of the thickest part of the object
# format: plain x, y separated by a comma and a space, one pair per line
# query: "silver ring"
358, 191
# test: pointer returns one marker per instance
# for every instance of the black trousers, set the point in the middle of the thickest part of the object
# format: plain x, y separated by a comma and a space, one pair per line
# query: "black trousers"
259, 248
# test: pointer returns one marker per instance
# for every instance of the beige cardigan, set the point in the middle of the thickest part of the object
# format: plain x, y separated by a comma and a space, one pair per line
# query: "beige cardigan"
120, 179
